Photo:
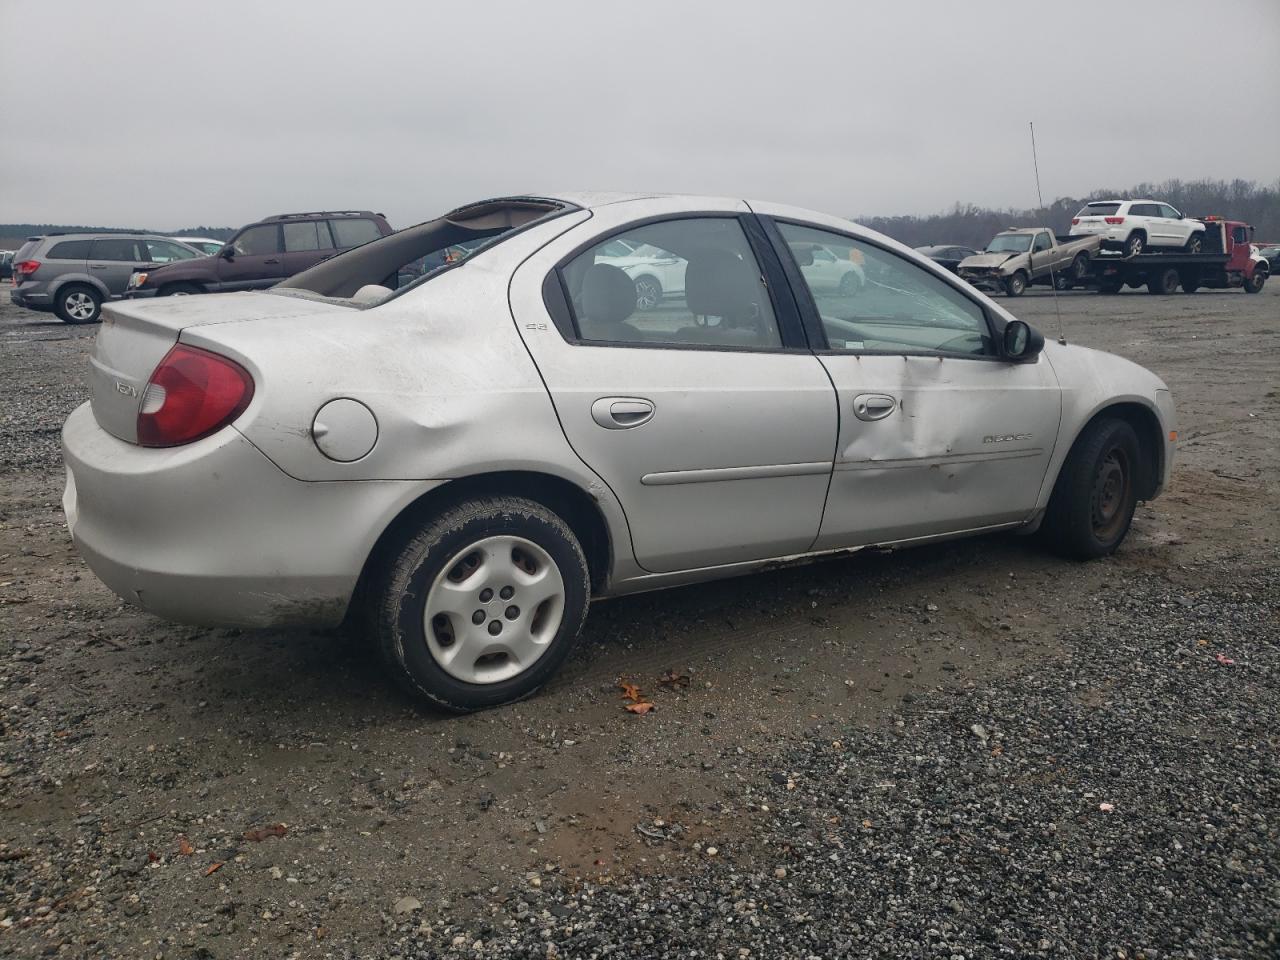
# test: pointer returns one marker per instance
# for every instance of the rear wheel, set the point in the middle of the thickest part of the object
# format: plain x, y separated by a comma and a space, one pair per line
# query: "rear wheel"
483, 604
77, 303
1163, 281
1016, 285
1094, 498
1110, 286
850, 283
1080, 268
1190, 282
648, 293
1061, 281
1194, 244
1136, 243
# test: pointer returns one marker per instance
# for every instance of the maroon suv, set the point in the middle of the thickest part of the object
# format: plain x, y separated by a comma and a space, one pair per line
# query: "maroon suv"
264, 253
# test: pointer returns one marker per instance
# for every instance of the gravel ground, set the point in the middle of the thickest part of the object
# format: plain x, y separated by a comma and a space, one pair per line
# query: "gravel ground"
903, 755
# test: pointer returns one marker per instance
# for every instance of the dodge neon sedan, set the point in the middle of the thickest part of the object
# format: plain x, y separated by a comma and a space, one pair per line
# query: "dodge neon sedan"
458, 454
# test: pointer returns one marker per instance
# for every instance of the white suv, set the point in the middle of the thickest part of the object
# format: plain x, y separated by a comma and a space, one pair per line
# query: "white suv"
1134, 225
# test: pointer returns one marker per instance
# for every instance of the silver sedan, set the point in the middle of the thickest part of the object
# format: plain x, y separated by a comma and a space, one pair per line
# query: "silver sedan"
458, 435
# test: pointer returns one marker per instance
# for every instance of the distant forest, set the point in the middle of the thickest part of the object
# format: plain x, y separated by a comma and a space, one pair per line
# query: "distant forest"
972, 226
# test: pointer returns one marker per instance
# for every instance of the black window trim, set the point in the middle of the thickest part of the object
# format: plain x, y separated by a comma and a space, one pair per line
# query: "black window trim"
318, 222
813, 319
786, 312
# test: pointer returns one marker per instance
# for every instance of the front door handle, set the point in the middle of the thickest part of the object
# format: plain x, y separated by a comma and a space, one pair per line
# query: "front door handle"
622, 413
271, 261
873, 406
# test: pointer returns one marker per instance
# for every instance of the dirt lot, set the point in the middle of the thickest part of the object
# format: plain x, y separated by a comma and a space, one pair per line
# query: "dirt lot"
138, 757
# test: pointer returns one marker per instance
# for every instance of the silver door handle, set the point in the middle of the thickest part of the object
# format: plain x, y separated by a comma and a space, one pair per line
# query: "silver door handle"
98, 266
622, 413
873, 406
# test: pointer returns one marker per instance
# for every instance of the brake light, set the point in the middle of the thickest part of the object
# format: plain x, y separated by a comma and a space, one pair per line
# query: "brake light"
192, 393
1114, 220
1074, 221
27, 268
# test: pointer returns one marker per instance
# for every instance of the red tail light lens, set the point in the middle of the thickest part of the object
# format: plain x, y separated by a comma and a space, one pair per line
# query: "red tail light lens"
1114, 220
192, 394
1074, 221
26, 268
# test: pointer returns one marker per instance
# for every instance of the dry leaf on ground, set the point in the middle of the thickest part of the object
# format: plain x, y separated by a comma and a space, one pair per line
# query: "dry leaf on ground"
640, 708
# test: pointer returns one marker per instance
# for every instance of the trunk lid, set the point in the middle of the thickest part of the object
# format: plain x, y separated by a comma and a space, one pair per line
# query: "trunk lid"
136, 334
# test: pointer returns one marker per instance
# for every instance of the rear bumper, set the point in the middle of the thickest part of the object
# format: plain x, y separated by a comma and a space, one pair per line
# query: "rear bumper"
31, 299
214, 533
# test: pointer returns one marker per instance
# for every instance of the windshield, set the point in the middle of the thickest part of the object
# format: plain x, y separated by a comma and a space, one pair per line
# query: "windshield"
1010, 243
405, 258
1098, 210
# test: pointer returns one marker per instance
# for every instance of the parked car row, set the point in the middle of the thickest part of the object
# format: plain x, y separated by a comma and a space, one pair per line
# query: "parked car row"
74, 274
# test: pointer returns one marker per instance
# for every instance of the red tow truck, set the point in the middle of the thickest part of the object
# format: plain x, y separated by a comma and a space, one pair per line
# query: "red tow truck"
1227, 258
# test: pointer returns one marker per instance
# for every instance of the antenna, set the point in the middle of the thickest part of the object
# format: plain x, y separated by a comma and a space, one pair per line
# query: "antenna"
1053, 279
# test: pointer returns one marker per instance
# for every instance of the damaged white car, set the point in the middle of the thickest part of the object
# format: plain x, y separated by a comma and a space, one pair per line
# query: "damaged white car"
459, 453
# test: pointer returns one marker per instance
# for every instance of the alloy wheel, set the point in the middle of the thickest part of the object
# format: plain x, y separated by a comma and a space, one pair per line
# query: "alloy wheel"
79, 305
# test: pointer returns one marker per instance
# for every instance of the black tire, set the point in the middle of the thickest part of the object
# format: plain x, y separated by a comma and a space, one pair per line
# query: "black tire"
1016, 285
179, 290
1163, 282
445, 545
1080, 268
850, 284
77, 303
1254, 284
648, 292
1093, 501
1135, 244
1061, 281
1190, 282
1195, 243
1110, 286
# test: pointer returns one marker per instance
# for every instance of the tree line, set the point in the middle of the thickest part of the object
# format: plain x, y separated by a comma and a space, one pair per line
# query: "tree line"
972, 226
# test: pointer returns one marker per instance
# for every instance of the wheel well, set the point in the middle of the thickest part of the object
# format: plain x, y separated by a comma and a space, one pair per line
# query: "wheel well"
180, 283
573, 504
1150, 441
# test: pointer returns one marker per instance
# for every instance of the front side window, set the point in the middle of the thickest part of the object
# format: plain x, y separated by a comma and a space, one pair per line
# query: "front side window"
687, 282
116, 248
166, 251
904, 309
1042, 242
1239, 235
257, 241
1168, 211
306, 235
352, 233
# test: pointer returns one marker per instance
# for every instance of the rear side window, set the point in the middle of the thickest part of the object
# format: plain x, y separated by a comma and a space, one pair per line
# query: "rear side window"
689, 282
116, 248
66, 250
1144, 210
352, 233
262, 239
307, 235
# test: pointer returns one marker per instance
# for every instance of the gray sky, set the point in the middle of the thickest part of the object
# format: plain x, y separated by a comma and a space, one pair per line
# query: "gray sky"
171, 114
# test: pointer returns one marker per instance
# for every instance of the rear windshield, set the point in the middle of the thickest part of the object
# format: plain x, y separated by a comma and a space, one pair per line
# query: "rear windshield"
1099, 210
410, 256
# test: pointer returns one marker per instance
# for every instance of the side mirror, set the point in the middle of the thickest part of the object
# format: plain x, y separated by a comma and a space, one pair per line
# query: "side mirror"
228, 252
1022, 341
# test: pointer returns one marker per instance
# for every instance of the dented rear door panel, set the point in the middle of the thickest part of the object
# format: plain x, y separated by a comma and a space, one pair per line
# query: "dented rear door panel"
967, 446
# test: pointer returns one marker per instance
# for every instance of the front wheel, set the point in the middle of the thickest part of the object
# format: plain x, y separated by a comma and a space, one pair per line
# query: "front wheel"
1094, 498
78, 303
482, 605
1016, 285
1061, 281
179, 290
1254, 283
850, 284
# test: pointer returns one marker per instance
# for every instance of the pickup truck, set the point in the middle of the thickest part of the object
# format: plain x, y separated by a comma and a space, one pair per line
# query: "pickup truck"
1021, 256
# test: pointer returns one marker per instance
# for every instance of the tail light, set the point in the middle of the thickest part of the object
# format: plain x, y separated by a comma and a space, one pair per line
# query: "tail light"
1074, 221
26, 269
192, 393
1114, 220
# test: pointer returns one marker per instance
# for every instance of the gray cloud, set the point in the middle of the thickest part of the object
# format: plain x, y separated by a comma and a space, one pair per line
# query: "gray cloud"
170, 114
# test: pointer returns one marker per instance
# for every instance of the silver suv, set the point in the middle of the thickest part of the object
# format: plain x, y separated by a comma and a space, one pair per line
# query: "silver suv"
71, 274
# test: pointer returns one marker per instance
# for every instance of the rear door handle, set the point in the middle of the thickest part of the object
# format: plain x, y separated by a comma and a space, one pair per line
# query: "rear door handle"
873, 406
622, 413
270, 261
